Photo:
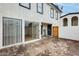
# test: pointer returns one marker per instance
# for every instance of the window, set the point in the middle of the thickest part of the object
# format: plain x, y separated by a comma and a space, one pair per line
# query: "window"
65, 22
12, 31
40, 8
56, 15
52, 13
74, 21
25, 5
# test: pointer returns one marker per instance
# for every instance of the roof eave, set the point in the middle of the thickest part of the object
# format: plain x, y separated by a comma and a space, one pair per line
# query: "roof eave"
56, 7
70, 14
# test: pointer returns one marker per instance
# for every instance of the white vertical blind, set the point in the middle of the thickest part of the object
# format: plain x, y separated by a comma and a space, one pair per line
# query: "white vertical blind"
11, 31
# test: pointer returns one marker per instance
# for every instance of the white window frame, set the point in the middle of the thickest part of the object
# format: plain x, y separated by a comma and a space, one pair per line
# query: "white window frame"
72, 21
56, 15
51, 12
7, 44
25, 5
40, 8
65, 22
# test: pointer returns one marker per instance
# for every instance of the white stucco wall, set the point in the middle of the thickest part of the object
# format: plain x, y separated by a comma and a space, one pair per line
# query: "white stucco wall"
69, 32
13, 10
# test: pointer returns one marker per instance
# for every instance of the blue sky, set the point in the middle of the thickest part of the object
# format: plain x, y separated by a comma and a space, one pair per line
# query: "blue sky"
69, 7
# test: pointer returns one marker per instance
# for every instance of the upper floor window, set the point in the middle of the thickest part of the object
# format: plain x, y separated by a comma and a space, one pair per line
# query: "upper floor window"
52, 13
74, 21
40, 8
65, 22
56, 15
25, 5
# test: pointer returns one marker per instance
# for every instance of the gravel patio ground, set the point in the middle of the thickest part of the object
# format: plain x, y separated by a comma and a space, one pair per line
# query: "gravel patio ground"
54, 47
46, 47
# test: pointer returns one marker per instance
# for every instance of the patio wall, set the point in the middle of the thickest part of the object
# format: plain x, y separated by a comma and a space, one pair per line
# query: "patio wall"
69, 32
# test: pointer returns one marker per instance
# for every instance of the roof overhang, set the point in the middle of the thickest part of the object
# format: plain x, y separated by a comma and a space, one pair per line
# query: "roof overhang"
69, 14
53, 5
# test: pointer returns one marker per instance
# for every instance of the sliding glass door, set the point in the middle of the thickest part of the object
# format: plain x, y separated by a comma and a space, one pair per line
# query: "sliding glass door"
12, 31
35, 30
31, 30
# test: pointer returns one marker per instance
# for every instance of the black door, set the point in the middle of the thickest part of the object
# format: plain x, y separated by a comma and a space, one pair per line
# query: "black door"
49, 29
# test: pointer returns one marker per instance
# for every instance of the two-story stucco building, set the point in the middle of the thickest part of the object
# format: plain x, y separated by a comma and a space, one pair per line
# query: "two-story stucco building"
27, 22
69, 26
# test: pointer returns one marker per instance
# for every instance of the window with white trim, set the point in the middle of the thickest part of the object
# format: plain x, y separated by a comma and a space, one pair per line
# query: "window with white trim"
52, 13
65, 22
12, 31
40, 8
74, 21
25, 5
56, 15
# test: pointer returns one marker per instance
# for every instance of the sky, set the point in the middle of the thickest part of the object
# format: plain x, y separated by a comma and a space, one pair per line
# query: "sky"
69, 7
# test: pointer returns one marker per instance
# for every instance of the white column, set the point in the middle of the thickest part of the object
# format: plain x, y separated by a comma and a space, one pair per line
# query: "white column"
23, 30
1, 32
69, 21
40, 30
78, 21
